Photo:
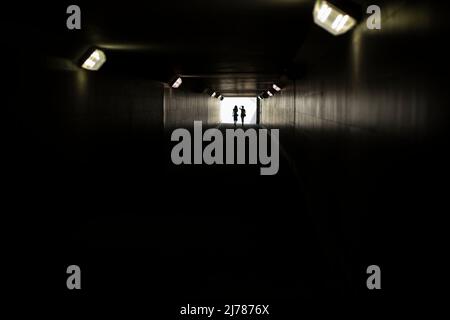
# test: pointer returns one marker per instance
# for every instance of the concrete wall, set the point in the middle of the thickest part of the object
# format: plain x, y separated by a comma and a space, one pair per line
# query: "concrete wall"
81, 137
387, 81
363, 123
182, 108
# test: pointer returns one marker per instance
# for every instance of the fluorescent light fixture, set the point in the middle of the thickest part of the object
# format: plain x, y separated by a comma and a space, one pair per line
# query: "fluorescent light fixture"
213, 94
177, 83
260, 98
220, 97
277, 88
95, 60
270, 93
331, 18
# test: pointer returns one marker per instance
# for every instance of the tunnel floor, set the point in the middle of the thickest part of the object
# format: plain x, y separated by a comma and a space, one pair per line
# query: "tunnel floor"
206, 234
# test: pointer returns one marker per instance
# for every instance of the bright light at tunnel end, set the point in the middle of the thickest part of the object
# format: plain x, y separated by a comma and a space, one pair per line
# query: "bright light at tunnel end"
95, 60
227, 105
331, 18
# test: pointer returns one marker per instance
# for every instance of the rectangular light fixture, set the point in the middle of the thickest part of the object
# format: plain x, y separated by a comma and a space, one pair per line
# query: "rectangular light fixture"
95, 60
177, 83
332, 18
270, 93
277, 88
213, 94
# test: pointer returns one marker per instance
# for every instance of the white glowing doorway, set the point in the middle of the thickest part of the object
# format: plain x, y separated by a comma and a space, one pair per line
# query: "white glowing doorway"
227, 105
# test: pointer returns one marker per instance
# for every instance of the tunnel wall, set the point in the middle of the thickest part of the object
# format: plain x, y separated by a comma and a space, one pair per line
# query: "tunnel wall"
86, 105
375, 82
102, 130
364, 124
182, 108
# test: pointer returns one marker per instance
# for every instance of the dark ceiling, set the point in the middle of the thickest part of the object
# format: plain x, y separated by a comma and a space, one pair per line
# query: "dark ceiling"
234, 47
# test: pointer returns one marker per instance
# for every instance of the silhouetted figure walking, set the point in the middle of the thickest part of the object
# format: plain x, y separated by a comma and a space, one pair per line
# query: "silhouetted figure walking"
235, 115
242, 114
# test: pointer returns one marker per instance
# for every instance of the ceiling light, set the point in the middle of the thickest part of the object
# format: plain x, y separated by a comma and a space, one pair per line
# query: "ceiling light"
213, 94
270, 93
95, 60
277, 88
260, 98
331, 18
177, 83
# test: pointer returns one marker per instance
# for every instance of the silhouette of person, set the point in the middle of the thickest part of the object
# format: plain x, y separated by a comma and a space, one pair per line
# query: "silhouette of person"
242, 114
235, 115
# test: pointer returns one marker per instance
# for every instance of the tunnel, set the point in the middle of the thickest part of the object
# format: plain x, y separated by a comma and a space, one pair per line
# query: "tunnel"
96, 176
